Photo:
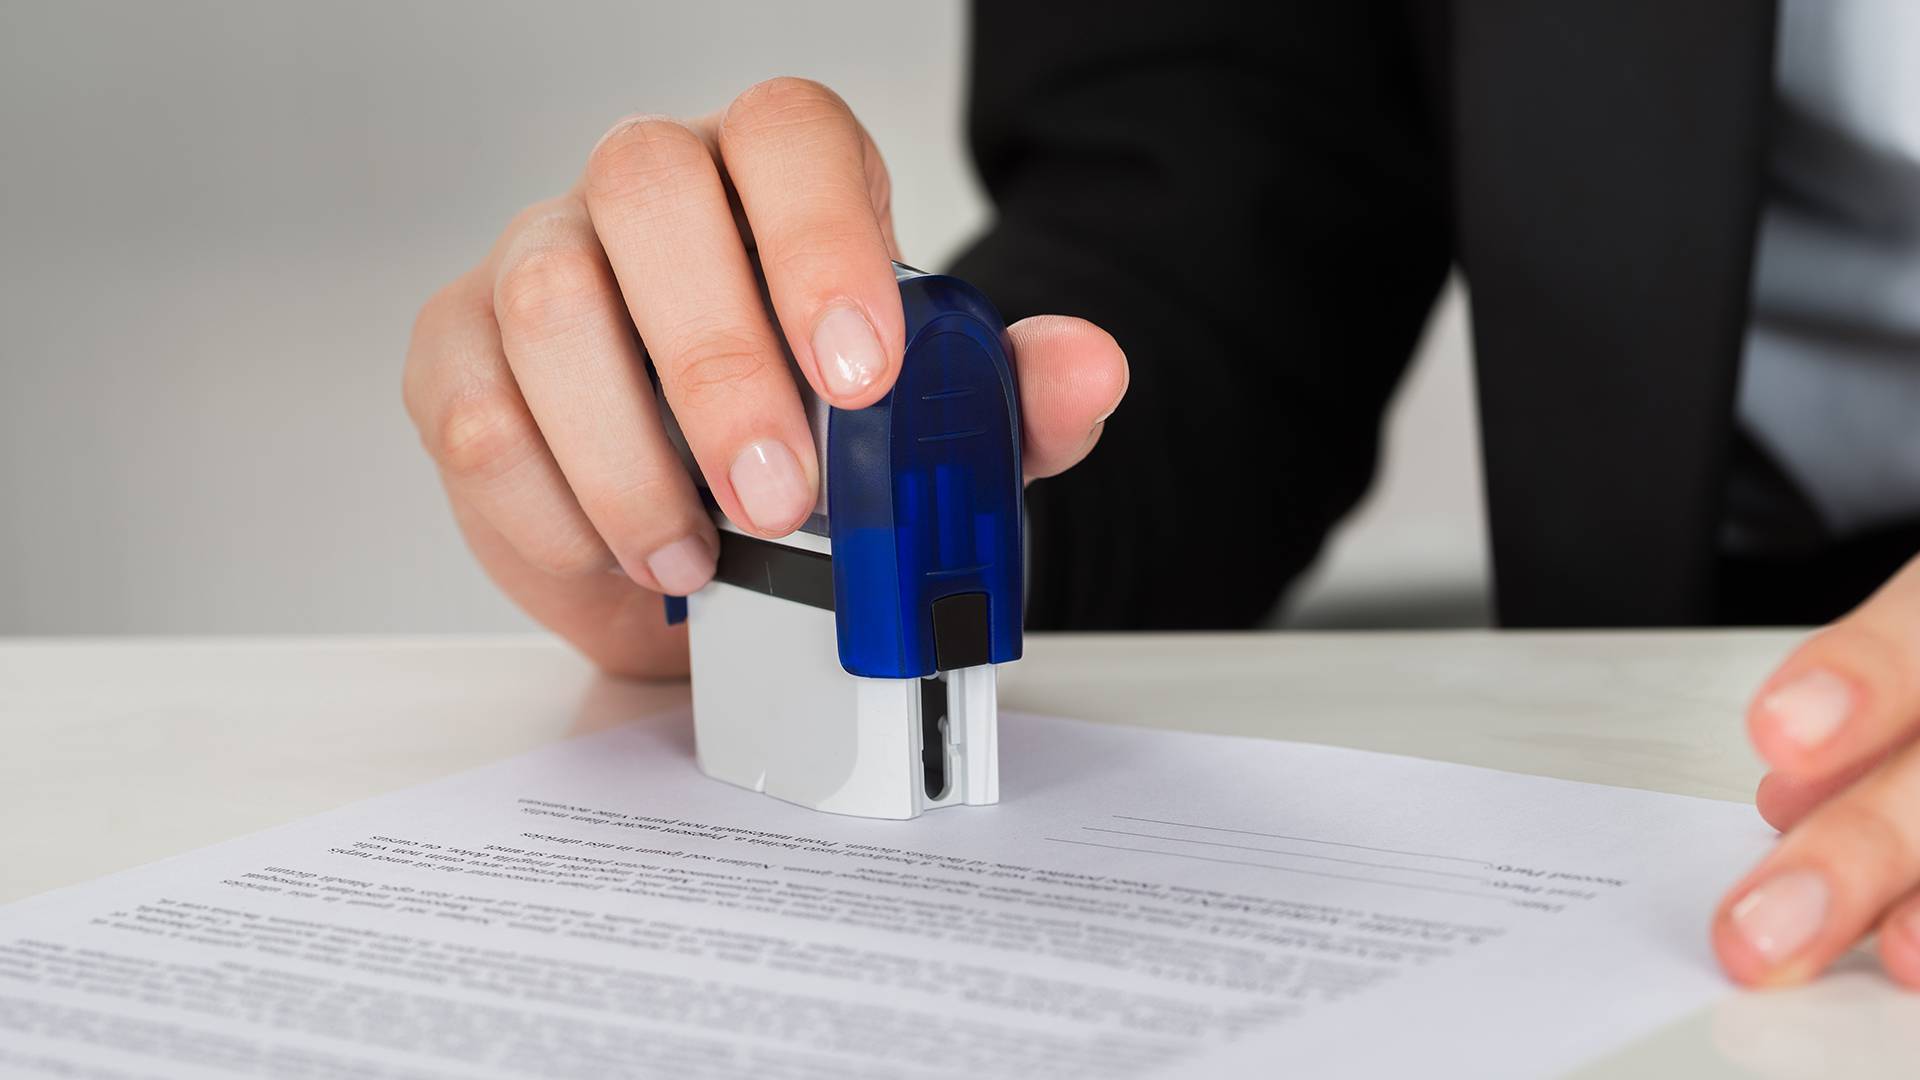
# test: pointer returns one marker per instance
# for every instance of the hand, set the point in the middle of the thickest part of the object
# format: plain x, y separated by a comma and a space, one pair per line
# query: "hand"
526, 380
1839, 724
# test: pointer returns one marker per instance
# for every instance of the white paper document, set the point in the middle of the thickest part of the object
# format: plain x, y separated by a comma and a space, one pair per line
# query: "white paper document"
1143, 903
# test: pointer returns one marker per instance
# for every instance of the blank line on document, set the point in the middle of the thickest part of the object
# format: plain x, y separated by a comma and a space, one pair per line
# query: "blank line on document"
1288, 854
1305, 840
1287, 869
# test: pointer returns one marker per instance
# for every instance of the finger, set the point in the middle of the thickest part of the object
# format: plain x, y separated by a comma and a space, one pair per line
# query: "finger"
617, 624
1072, 376
1784, 800
1852, 691
658, 205
476, 427
509, 497
1900, 941
812, 187
572, 351
1827, 882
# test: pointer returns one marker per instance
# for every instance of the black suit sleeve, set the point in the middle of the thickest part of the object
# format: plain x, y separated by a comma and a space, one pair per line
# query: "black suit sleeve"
1249, 198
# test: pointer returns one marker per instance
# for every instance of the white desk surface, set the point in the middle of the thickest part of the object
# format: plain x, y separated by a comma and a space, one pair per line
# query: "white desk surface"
121, 751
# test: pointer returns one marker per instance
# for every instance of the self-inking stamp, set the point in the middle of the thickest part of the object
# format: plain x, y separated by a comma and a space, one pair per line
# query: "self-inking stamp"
849, 667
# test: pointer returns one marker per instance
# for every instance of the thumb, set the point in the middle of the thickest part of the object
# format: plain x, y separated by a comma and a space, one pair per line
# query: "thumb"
1072, 377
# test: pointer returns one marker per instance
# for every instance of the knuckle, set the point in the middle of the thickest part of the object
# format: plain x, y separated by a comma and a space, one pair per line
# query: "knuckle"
447, 317
439, 310
565, 552
558, 218
639, 153
550, 288
718, 365
1887, 845
782, 101
481, 436
802, 249
640, 509
652, 495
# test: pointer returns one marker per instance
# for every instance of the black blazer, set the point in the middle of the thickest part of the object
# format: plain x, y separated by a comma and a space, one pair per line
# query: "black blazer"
1261, 201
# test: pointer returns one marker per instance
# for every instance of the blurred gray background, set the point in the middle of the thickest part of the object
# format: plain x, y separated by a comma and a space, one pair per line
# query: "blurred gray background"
217, 220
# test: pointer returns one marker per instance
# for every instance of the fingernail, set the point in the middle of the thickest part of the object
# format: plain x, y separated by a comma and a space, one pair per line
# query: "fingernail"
847, 351
1811, 708
771, 488
1780, 916
682, 566
1093, 436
